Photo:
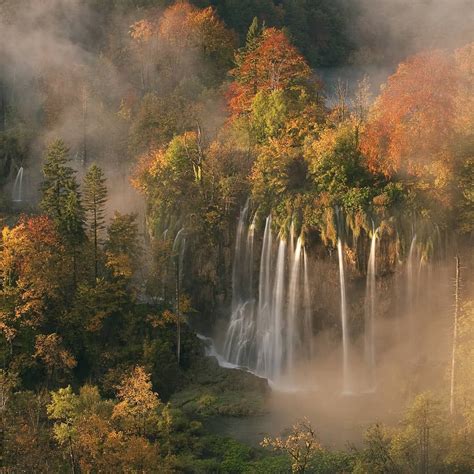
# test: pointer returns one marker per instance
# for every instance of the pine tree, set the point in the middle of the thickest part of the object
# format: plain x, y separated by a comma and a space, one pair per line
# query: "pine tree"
61, 199
95, 197
58, 180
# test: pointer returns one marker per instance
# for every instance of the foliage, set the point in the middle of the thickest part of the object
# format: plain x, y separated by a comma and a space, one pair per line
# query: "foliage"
156, 83
137, 402
122, 247
95, 197
271, 64
300, 445
60, 195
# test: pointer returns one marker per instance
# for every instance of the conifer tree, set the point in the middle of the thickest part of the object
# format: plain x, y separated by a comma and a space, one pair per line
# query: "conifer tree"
58, 180
61, 199
95, 197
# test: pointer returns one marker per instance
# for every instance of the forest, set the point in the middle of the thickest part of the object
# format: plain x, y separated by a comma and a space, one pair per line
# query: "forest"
236, 236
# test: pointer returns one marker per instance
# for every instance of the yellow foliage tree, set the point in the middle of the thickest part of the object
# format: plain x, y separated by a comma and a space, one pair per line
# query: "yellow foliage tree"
138, 404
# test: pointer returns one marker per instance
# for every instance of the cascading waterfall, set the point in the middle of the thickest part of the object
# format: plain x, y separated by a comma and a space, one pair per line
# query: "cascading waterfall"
179, 246
17, 194
271, 336
410, 287
240, 333
293, 306
278, 307
271, 327
370, 303
264, 320
346, 381
308, 316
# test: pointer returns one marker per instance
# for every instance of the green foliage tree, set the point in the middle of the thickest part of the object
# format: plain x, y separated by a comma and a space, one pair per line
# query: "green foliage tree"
422, 443
375, 457
61, 199
95, 197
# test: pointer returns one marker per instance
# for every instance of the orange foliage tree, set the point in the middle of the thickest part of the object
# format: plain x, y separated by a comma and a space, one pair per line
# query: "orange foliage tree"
179, 36
32, 272
411, 124
273, 63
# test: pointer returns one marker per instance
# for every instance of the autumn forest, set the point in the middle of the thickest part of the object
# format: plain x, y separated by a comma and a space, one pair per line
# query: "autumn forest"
236, 236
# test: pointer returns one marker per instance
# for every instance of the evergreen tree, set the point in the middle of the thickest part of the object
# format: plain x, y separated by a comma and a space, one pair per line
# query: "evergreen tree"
61, 199
95, 197
58, 180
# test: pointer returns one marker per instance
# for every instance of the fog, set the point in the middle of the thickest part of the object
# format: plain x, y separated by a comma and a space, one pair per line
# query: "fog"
54, 46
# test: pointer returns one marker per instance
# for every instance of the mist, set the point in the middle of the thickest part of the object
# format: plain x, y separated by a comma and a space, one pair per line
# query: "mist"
298, 241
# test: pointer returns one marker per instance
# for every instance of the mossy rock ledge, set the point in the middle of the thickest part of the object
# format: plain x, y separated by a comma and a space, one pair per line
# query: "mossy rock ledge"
212, 390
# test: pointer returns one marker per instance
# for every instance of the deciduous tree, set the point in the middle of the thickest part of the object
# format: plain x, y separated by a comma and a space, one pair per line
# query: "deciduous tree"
300, 445
138, 404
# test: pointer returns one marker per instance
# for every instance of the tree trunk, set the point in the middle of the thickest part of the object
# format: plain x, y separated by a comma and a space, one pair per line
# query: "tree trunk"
95, 245
71, 457
178, 319
455, 331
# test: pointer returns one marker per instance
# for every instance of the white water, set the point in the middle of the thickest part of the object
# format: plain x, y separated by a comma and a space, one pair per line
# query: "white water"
370, 305
346, 381
17, 194
279, 297
292, 313
241, 329
308, 315
271, 329
270, 336
411, 289
179, 247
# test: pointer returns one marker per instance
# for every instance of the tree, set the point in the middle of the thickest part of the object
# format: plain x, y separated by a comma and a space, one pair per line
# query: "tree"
273, 64
58, 181
50, 350
375, 457
172, 178
410, 129
189, 39
73, 227
138, 404
84, 427
422, 442
122, 247
279, 172
95, 197
61, 199
32, 274
300, 445
63, 408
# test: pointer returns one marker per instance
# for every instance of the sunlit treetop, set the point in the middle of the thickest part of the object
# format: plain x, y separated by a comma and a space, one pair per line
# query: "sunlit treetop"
412, 120
269, 63
183, 28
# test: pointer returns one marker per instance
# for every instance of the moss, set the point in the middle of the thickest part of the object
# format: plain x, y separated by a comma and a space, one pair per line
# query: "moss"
212, 390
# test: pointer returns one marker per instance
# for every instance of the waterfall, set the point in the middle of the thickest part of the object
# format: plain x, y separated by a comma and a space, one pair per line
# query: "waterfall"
179, 246
370, 300
278, 309
240, 332
264, 319
17, 194
410, 287
293, 306
308, 316
345, 335
270, 336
